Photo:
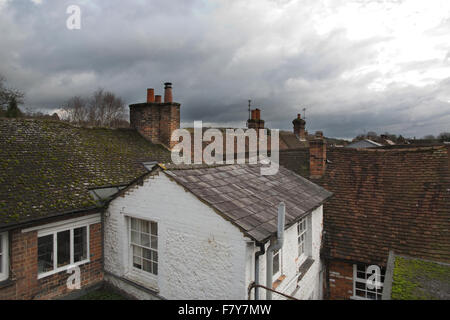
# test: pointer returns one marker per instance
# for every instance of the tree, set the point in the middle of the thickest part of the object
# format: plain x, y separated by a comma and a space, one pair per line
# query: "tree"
13, 110
7, 94
444, 136
76, 110
102, 108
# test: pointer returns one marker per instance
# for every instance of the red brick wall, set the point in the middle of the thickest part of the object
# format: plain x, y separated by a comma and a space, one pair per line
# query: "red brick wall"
156, 121
317, 157
23, 268
341, 280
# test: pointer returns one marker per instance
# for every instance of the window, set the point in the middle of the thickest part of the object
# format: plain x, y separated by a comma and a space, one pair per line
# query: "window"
59, 250
144, 245
4, 264
360, 288
302, 229
276, 263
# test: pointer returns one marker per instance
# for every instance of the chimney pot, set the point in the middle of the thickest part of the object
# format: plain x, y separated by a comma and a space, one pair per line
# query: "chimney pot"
168, 92
299, 116
158, 99
150, 95
319, 134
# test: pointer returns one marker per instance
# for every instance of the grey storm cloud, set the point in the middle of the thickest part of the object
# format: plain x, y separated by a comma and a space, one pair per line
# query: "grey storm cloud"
284, 55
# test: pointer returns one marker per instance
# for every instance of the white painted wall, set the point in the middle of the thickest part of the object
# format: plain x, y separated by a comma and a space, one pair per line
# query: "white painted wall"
201, 255
310, 284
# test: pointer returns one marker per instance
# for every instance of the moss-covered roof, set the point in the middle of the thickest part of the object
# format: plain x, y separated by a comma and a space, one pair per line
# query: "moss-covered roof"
416, 279
47, 167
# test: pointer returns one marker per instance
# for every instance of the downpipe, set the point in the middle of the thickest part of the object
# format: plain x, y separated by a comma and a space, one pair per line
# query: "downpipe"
262, 250
275, 245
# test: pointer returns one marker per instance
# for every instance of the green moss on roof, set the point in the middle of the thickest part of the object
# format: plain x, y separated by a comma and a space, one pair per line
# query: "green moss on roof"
420, 280
47, 167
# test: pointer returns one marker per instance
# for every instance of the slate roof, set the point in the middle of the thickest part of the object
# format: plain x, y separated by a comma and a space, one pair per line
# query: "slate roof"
388, 199
248, 199
47, 167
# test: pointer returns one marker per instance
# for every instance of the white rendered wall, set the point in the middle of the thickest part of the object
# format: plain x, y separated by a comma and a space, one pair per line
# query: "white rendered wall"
201, 255
310, 285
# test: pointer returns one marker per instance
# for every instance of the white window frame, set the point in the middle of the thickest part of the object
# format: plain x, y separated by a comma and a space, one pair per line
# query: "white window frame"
279, 252
364, 281
5, 257
132, 268
54, 232
305, 242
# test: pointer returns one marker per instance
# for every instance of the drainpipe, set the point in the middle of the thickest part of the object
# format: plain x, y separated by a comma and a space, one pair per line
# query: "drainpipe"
274, 246
262, 250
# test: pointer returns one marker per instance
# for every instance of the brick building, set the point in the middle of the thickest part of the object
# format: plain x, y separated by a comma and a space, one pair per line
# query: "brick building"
50, 211
385, 199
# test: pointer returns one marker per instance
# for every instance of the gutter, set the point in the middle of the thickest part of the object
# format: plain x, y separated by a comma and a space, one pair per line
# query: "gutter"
274, 246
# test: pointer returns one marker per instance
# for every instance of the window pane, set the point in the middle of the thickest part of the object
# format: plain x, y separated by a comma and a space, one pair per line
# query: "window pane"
360, 293
45, 253
135, 237
154, 229
154, 243
145, 240
147, 265
137, 262
145, 227
134, 224
147, 254
63, 245
80, 244
155, 268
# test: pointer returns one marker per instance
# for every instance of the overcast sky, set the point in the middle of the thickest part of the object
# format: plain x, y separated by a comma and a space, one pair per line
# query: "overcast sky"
356, 65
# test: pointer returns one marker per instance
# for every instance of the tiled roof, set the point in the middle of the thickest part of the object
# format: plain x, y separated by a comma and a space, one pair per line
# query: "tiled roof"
47, 167
248, 199
396, 199
288, 140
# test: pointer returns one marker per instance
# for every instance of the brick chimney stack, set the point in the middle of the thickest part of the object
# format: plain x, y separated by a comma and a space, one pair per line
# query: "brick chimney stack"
317, 156
299, 127
150, 95
168, 92
155, 120
255, 122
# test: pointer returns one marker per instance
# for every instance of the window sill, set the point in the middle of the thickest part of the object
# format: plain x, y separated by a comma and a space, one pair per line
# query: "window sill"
360, 298
304, 267
146, 280
62, 269
6, 283
277, 282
